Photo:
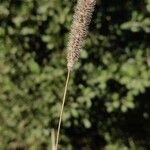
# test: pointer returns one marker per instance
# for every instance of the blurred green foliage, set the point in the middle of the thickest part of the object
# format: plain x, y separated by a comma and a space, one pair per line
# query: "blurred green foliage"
108, 98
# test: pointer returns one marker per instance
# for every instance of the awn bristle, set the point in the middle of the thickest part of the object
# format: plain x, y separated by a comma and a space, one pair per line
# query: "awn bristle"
79, 30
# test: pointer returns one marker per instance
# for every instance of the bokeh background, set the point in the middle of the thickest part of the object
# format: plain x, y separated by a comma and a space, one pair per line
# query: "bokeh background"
108, 101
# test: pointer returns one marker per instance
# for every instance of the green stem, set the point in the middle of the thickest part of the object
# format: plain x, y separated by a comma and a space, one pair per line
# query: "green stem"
62, 109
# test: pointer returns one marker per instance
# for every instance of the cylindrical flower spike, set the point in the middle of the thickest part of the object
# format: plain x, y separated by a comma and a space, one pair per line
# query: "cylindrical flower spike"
79, 30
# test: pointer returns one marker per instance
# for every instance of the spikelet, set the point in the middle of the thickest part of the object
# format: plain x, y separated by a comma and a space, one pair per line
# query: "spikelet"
79, 30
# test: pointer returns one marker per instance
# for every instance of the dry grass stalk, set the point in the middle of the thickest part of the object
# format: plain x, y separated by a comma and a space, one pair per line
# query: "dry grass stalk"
78, 33
53, 139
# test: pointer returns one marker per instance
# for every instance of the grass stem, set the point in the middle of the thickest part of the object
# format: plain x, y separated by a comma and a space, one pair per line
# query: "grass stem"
62, 109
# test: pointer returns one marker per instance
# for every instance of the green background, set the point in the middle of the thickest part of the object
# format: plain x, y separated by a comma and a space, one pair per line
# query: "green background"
108, 101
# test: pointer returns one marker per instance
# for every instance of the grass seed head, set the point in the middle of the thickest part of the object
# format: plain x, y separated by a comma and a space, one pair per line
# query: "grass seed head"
79, 30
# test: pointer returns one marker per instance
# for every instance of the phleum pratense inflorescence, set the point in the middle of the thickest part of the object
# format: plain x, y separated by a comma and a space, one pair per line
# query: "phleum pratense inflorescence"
79, 30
